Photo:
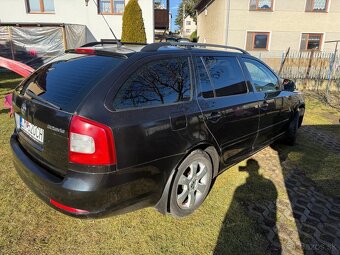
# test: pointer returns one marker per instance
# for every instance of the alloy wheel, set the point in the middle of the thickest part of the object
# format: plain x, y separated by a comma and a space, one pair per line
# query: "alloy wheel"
192, 185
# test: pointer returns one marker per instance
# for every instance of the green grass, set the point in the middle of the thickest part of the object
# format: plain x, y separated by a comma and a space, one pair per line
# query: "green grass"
321, 115
222, 224
8, 82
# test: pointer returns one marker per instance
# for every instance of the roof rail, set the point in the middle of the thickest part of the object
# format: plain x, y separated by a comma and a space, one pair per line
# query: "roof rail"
101, 53
156, 46
91, 44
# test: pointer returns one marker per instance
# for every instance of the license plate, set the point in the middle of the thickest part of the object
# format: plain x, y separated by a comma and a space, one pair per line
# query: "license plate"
34, 132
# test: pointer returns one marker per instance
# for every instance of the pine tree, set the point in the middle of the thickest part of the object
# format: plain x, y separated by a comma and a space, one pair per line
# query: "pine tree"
133, 24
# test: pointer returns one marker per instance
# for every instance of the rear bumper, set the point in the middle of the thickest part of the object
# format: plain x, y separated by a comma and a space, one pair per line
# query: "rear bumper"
98, 194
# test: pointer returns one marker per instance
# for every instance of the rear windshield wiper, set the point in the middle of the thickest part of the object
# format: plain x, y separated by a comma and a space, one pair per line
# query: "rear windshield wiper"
31, 94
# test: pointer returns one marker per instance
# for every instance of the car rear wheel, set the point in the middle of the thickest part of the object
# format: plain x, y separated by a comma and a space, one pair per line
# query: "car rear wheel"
191, 184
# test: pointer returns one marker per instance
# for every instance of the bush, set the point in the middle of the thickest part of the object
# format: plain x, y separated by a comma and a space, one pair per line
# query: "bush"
133, 24
193, 36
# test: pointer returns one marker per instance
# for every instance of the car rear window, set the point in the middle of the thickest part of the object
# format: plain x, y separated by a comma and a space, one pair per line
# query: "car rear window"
69, 78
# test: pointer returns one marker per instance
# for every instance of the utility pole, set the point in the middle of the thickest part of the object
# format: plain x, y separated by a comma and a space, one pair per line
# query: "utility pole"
227, 22
183, 18
169, 14
331, 67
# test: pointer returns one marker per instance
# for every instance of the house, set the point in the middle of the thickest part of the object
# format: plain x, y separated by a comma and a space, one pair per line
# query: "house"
270, 25
80, 12
189, 26
33, 31
162, 18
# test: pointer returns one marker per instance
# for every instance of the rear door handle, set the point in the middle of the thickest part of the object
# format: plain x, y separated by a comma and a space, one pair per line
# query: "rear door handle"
264, 105
214, 116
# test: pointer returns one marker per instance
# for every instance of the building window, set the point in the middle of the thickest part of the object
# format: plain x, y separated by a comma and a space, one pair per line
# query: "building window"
188, 31
261, 5
40, 6
311, 41
257, 40
111, 6
188, 23
317, 5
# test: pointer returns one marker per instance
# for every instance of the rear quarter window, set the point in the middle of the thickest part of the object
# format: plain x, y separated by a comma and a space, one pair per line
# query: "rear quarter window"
160, 82
68, 79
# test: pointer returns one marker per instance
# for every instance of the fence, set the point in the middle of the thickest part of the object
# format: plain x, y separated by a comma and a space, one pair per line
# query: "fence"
307, 67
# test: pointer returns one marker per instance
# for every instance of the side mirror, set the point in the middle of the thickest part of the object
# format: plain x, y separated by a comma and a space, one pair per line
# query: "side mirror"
288, 85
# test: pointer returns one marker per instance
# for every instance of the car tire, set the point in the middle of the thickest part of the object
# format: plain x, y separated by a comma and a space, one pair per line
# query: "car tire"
291, 133
191, 184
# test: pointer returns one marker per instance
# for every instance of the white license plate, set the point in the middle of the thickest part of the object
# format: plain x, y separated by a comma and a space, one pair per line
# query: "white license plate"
34, 132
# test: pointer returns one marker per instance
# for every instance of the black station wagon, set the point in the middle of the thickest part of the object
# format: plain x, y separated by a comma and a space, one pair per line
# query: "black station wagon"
106, 129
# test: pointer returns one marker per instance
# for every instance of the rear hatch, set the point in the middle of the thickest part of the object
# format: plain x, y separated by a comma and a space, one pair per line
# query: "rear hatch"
45, 102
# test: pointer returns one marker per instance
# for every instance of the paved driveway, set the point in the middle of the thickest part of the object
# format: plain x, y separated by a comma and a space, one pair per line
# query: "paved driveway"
302, 220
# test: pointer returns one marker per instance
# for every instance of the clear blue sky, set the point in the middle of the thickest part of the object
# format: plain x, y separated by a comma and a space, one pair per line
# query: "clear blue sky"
173, 8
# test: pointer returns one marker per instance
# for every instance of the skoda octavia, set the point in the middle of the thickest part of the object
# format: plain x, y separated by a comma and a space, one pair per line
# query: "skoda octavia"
106, 129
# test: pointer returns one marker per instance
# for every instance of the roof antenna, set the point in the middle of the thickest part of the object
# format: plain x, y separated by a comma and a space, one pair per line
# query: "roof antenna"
119, 44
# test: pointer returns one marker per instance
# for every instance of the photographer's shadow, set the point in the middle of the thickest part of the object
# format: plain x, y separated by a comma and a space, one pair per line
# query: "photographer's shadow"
251, 217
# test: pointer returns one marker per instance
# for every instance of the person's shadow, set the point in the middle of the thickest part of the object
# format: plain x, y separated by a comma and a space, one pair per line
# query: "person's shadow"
254, 201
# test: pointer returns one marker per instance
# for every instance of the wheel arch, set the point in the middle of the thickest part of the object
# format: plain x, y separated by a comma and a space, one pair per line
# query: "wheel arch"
301, 106
301, 109
163, 205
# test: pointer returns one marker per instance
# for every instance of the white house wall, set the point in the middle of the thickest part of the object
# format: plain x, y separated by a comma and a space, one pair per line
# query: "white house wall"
76, 12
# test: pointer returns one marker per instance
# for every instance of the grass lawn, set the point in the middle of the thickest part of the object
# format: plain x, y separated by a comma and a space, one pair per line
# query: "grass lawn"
28, 226
321, 116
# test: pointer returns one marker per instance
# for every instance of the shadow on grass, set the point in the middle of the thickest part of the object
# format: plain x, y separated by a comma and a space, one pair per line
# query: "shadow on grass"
239, 232
4, 111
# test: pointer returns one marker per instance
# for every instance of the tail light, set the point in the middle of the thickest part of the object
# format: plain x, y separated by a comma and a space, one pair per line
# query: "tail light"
90, 143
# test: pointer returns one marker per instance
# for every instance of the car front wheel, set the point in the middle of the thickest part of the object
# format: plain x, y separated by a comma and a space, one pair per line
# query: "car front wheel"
191, 184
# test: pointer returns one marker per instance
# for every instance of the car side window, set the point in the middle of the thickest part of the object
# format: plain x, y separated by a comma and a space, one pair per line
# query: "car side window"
226, 75
159, 82
207, 90
262, 78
